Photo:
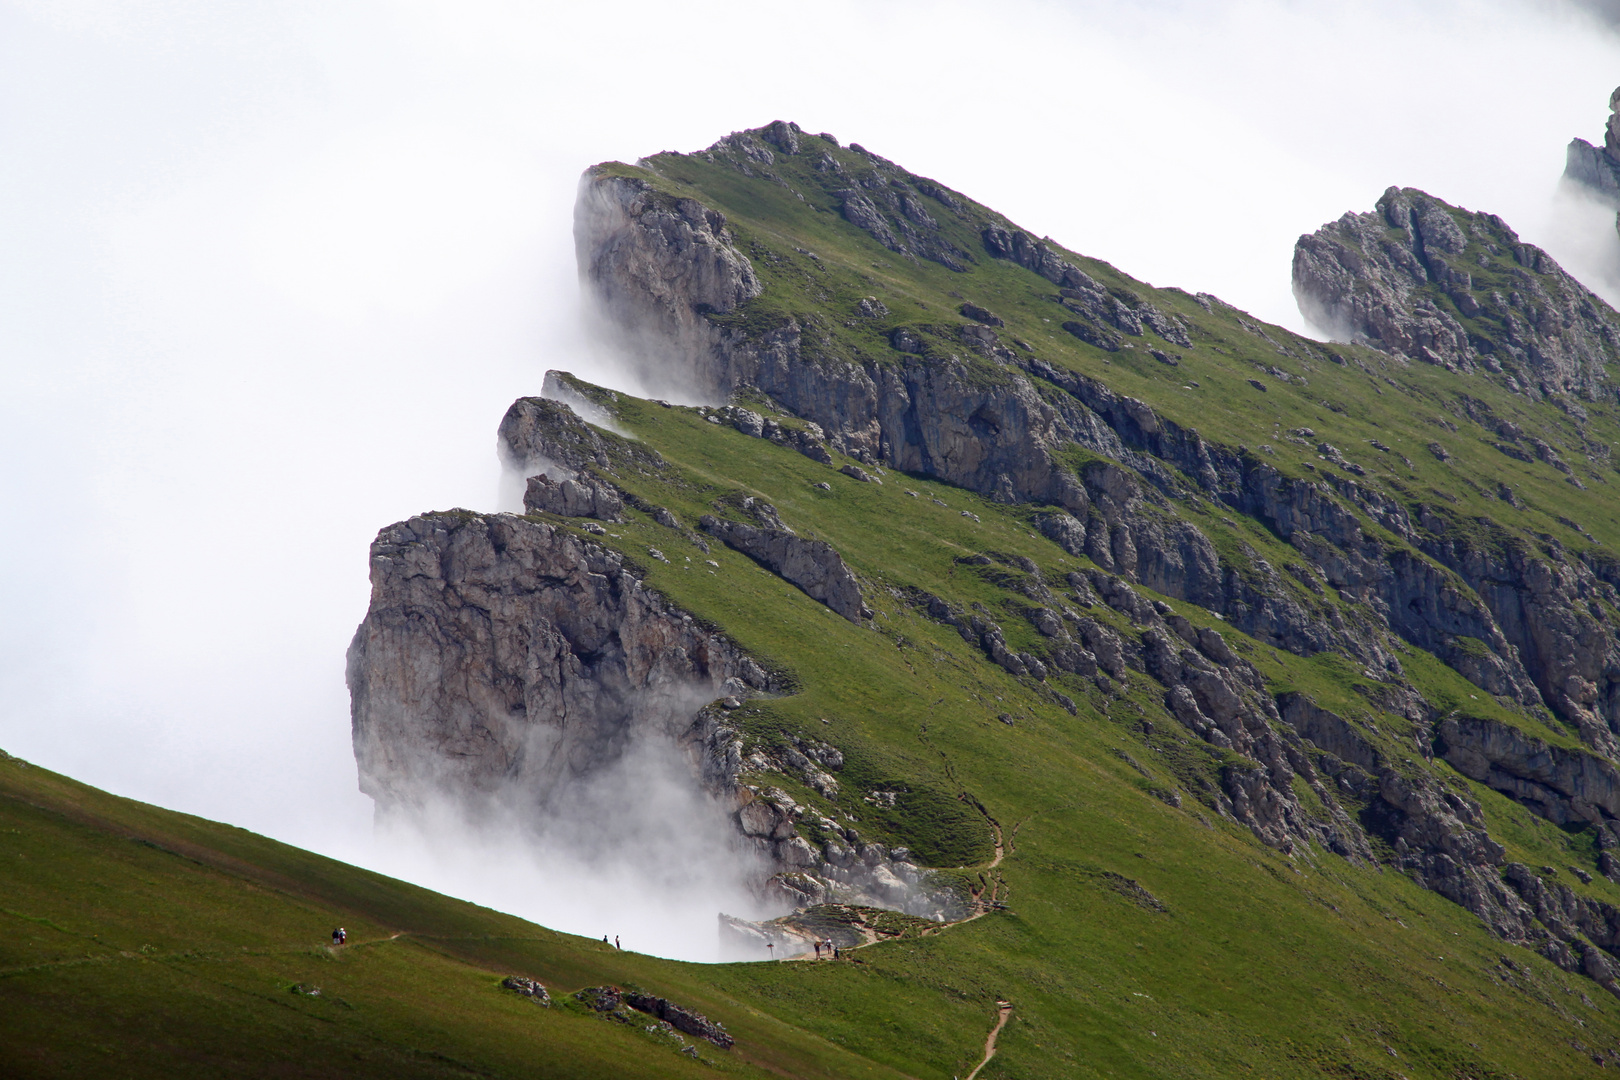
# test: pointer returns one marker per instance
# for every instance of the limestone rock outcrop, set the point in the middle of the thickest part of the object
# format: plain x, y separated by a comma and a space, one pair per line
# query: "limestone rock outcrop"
584, 496
541, 433
529, 988
1597, 168
813, 565
664, 260
504, 657
972, 405
1426, 281
680, 1018
500, 654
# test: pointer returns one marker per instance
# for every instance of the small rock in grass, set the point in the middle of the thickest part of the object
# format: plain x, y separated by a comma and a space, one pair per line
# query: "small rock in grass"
981, 315
529, 988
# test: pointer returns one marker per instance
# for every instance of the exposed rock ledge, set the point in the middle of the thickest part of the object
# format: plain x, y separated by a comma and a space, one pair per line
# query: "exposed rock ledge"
1562, 785
500, 651
1423, 280
1598, 167
813, 565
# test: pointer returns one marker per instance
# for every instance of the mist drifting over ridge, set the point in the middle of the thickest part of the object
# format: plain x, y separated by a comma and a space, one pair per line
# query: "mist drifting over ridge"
275, 276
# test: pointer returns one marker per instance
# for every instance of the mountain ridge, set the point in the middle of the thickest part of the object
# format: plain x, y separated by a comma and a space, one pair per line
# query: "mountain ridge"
1337, 595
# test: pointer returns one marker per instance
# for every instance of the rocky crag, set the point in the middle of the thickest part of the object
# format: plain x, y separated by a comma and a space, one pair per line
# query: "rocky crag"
1422, 280
1597, 168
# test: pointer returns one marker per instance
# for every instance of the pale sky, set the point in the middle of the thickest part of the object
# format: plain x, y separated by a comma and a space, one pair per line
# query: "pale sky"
273, 271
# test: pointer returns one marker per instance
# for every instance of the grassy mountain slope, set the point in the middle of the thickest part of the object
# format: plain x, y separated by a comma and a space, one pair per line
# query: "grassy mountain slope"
1142, 939
141, 942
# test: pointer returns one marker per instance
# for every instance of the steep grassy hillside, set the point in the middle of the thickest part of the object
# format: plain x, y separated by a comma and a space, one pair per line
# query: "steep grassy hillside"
139, 942
1145, 933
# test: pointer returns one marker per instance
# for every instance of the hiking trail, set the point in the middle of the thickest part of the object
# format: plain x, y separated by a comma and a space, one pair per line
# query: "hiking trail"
1005, 1008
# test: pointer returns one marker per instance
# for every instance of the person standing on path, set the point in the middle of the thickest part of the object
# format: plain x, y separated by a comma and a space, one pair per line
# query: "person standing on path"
616, 944
818, 948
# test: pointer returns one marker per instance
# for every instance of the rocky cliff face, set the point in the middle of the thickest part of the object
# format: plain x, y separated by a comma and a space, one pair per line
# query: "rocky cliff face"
500, 654
1597, 168
657, 265
1426, 281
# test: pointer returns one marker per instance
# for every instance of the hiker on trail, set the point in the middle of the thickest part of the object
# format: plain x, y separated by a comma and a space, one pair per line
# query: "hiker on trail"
343, 936
818, 949
337, 937
835, 952
616, 944
604, 939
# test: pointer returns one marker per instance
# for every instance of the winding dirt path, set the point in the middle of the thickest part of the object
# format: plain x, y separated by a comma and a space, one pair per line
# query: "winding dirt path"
1005, 1008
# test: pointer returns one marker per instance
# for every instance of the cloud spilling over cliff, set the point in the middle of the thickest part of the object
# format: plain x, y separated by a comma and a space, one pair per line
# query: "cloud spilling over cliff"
634, 852
274, 273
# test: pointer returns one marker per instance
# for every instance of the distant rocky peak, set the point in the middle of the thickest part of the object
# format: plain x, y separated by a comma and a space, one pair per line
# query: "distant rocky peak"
1423, 280
1598, 169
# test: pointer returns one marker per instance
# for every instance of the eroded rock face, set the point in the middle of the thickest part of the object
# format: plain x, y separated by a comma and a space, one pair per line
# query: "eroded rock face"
529, 988
1426, 281
585, 496
499, 652
542, 433
813, 565
1563, 785
680, 1018
1439, 838
1597, 168
657, 263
